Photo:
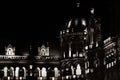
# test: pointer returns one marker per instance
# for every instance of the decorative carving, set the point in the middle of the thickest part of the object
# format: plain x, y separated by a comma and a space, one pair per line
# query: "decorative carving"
10, 50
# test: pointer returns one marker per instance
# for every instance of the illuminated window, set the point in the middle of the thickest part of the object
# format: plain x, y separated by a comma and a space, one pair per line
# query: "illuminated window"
86, 47
38, 71
69, 24
5, 71
112, 64
67, 30
24, 72
107, 66
67, 77
56, 72
60, 32
44, 72
31, 66
85, 65
78, 70
72, 69
74, 55
83, 22
17, 72
80, 55
87, 71
11, 71
92, 10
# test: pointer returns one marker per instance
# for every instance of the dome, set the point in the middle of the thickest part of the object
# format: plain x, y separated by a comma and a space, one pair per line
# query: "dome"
78, 24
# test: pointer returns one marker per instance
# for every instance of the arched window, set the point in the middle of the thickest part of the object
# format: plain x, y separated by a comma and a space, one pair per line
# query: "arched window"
37, 74
5, 71
44, 72
11, 72
17, 72
72, 69
56, 72
78, 70
24, 72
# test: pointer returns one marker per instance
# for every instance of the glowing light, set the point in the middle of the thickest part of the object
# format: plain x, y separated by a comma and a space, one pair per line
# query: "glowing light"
92, 10
86, 47
69, 24
56, 72
31, 66
17, 72
44, 72
67, 30
83, 22
67, 77
5, 71
74, 76
78, 70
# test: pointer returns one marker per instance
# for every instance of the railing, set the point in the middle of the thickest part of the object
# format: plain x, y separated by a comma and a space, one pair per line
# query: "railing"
5, 57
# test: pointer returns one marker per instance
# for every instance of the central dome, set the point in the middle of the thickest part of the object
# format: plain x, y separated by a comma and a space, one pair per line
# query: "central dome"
78, 24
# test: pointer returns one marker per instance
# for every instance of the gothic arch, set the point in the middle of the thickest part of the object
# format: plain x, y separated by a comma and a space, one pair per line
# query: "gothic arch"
78, 69
17, 72
11, 70
56, 72
44, 72
5, 71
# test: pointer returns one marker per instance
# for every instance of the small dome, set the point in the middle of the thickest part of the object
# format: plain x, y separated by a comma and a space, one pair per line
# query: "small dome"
78, 24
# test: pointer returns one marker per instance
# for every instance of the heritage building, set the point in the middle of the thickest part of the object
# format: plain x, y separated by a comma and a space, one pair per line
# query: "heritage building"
84, 55
81, 44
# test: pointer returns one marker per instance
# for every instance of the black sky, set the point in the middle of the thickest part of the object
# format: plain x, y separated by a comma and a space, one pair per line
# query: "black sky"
37, 21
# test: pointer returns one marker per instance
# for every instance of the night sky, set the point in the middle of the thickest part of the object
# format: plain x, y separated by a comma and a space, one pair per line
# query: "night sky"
25, 22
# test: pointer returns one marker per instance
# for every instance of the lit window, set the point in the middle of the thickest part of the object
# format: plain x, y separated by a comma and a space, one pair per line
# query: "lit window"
17, 72
74, 55
78, 70
112, 64
63, 31
44, 72
83, 22
72, 69
69, 24
67, 77
85, 65
5, 71
107, 66
86, 47
67, 30
56, 73
60, 32
74, 76
92, 10
80, 55
31, 66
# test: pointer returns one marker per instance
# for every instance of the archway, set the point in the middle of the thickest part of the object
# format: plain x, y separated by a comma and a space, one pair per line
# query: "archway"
44, 72
11, 72
56, 72
37, 72
17, 72
5, 71
24, 69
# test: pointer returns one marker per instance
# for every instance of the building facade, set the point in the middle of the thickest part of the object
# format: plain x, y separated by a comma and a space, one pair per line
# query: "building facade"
27, 67
83, 56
